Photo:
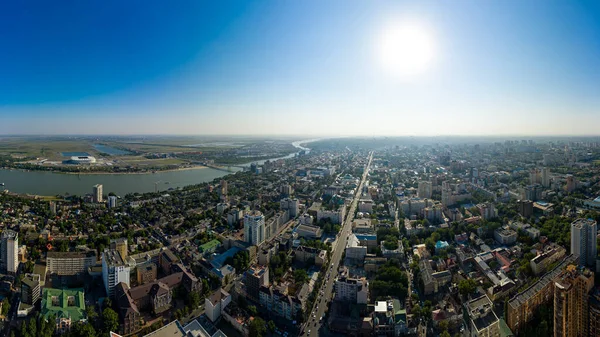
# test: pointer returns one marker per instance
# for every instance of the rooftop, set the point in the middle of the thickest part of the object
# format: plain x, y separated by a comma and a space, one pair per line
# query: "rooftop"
70, 255
579, 223
173, 329
219, 260
113, 258
210, 245
64, 303
525, 295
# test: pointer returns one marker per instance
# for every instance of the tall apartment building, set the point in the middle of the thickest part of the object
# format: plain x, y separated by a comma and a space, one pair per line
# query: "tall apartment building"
120, 245
291, 205
424, 189
256, 277
571, 294
286, 190
583, 241
535, 176
233, 216
114, 271
9, 252
546, 177
352, 290
97, 193
523, 305
525, 208
254, 228
223, 187
30, 289
594, 313
571, 183
112, 201
70, 263
487, 210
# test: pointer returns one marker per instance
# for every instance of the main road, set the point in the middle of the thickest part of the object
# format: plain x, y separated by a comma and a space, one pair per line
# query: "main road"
314, 322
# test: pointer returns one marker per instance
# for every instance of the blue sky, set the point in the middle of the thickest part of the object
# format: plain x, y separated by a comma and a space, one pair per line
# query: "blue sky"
297, 67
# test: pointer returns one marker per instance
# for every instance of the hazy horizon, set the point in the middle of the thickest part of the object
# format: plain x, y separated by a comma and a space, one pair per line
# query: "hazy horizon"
301, 69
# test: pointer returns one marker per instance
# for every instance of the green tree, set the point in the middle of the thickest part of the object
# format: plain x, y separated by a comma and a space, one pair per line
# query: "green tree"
83, 330
300, 276
252, 310
193, 299
257, 328
110, 320
271, 325
467, 286
5, 306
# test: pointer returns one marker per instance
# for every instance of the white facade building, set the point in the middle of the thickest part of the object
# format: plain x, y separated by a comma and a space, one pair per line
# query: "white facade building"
114, 271
9, 251
97, 193
254, 228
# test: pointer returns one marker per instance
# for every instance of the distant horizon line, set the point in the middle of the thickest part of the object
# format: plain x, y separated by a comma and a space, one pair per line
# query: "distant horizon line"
304, 136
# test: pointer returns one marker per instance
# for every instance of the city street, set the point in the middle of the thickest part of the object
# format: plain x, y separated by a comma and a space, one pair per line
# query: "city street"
314, 322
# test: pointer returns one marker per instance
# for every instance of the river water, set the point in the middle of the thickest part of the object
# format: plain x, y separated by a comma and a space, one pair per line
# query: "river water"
50, 183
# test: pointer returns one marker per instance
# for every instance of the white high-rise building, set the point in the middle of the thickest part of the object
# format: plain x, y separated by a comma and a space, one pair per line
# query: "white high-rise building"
583, 241
254, 228
97, 193
424, 190
9, 251
114, 271
112, 201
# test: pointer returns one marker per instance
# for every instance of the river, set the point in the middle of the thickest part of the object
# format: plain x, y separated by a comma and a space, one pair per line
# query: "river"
50, 183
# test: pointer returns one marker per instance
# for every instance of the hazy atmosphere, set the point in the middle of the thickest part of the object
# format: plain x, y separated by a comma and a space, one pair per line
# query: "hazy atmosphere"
300, 68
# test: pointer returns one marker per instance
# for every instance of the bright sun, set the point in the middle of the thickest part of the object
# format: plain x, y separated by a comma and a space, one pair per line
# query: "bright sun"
406, 49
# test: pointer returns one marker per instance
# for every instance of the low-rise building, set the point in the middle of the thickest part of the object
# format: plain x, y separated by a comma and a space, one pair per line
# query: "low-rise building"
310, 255
146, 273
355, 252
389, 319
368, 240
309, 232
66, 305
505, 236
544, 259
129, 314
433, 281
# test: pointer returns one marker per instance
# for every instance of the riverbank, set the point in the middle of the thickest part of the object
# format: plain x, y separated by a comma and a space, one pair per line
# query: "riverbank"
48, 183
198, 167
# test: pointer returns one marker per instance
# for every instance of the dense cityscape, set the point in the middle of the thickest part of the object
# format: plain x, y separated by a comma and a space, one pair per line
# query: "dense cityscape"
356, 237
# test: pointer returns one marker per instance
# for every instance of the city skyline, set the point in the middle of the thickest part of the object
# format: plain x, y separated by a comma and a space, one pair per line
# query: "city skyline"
307, 68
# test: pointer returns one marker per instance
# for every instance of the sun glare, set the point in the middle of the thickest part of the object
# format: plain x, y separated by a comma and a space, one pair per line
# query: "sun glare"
406, 49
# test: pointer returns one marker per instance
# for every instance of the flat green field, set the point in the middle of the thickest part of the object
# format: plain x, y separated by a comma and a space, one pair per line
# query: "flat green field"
141, 161
43, 148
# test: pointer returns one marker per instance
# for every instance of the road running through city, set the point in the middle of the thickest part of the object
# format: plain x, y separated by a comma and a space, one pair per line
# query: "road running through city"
315, 320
